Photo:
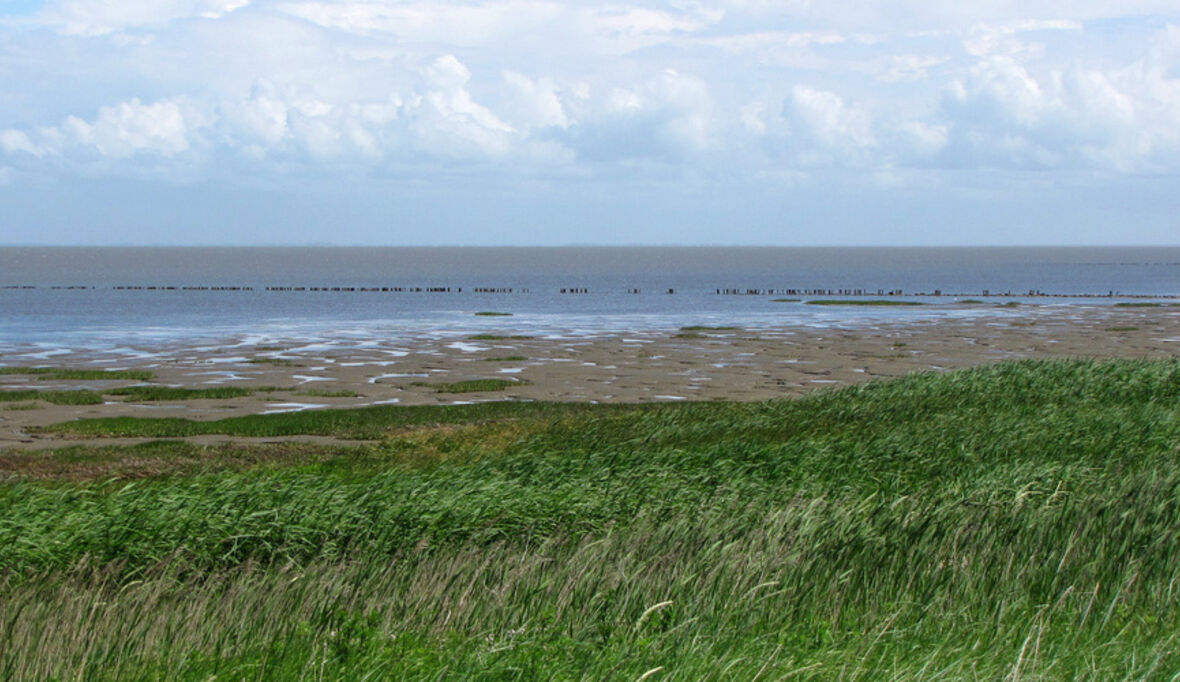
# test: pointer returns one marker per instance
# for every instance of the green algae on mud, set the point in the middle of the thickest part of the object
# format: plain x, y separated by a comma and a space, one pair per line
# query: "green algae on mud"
857, 301
157, 393
67, 374
323, 393
77, 397
470, 386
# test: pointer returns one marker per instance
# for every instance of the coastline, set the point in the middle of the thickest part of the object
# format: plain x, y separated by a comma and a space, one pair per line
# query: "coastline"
704, 363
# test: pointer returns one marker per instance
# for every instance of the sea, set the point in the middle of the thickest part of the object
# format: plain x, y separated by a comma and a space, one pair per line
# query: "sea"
67, 299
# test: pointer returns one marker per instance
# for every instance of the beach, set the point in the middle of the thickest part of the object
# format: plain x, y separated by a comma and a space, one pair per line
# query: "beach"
698, 363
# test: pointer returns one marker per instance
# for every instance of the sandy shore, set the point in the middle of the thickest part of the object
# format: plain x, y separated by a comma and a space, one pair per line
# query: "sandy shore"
702, 364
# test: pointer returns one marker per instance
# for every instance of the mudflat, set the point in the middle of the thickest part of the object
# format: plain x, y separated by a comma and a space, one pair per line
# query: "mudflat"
693, 363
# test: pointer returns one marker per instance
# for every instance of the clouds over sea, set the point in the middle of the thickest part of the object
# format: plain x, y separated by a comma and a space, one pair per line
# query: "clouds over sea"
755, 95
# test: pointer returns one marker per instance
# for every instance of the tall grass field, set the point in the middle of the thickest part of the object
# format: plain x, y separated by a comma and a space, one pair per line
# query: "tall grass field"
1019, 521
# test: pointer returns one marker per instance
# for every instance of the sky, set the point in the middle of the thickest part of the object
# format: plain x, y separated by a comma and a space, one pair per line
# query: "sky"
538, 122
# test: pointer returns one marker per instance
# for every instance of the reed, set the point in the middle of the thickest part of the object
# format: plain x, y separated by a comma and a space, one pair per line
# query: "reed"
1017, 521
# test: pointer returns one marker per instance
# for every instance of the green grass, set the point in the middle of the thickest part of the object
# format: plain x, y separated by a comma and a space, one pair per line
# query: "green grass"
507, 358
1137, 304
23, 406
364, 423
855, 301
153, 393
62, 373
470, 386
971, 301
492, 313
1017, 521
55, 397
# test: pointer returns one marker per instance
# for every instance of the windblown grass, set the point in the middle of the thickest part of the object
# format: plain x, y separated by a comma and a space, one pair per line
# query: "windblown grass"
492, 313
364, 423
1137, 304
1017, 521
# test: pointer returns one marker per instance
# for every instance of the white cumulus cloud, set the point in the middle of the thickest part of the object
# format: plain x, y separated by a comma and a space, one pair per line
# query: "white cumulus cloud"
594, 88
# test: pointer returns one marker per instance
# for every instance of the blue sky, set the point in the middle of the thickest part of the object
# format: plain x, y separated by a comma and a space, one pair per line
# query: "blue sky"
543, 122
19, 7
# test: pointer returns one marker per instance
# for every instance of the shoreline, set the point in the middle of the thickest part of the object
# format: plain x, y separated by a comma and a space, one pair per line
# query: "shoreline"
701, 363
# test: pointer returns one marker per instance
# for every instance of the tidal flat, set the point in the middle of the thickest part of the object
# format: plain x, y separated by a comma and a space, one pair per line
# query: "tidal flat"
699, 360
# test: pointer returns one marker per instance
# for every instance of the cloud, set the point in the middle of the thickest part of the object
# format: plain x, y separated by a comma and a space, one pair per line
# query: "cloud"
447, 119
1119, 119
131, 127
84, 17
535, 103
120, 131
824, 129
15, 142
664, 118
591, 89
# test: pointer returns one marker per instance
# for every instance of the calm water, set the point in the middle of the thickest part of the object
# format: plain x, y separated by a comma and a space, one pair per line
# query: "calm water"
114, 306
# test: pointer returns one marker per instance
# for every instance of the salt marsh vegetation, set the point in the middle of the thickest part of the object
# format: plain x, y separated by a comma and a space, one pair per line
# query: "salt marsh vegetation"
1013, 521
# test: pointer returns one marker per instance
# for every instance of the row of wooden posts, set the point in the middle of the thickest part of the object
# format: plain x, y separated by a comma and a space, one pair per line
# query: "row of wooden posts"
1031, 293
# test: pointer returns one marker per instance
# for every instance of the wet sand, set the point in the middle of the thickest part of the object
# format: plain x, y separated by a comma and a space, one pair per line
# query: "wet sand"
704, 364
